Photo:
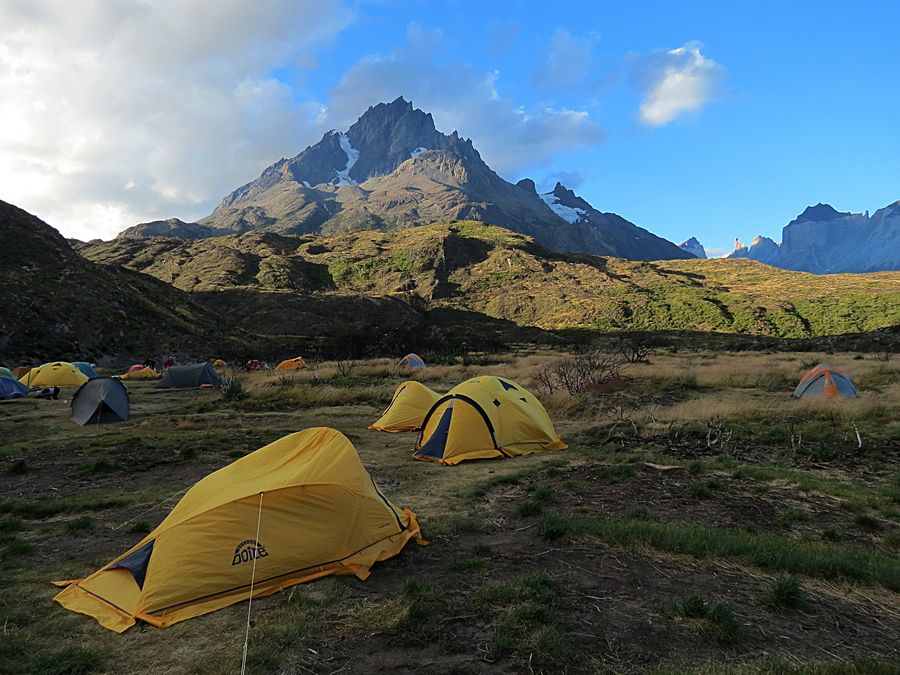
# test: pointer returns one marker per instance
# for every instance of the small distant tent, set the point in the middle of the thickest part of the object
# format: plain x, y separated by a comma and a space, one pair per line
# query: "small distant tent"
409, 405
10, 388
136, 366
20, 371
86, 368
825, 381
100, 401
485, 417
56, 374
292, 364
411, 362
192, 375
219, 363
7, 373
316, 509
142, 373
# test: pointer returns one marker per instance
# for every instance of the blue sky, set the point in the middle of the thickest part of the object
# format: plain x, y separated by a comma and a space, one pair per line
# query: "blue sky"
787, 103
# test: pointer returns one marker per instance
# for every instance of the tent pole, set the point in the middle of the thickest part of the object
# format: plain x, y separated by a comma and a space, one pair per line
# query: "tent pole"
252, 579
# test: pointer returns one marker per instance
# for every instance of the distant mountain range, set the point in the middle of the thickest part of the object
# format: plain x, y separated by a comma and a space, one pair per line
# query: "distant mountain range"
392, 170
823, 240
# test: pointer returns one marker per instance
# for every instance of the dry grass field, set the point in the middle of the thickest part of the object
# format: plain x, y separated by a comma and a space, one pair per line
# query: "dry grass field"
701, 521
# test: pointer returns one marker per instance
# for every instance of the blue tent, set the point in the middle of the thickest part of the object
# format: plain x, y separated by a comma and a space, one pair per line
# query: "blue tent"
11, 388
412, 362
86, 368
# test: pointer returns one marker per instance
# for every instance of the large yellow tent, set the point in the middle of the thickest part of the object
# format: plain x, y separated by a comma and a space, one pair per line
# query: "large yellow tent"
409, 405
303, 507
485, 417
56, 374
145, 373
292, 364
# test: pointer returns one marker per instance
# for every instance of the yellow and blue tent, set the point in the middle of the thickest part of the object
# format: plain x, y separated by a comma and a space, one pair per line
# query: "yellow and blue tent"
302, 507
486, 417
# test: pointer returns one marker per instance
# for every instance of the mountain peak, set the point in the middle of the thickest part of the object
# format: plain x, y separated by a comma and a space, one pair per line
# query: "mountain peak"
819, 213
693, 247
566, 204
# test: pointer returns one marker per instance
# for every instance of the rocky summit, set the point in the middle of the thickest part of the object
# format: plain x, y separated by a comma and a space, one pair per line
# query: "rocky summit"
823, 240
693, 247
392, 169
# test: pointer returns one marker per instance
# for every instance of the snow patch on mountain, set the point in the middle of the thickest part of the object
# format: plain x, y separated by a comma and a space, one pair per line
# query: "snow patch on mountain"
567, 213
352, 157
418, 151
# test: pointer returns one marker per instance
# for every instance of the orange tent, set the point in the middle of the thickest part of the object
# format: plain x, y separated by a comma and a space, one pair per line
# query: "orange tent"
292, 364
825, 381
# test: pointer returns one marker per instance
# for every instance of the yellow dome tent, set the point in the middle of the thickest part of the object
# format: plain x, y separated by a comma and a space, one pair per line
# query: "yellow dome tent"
145, 373
56, 374
485, 417
303, 507
409, 405
292, 364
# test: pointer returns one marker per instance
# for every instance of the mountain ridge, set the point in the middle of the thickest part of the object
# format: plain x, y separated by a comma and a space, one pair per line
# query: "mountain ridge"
823, 240
467, 266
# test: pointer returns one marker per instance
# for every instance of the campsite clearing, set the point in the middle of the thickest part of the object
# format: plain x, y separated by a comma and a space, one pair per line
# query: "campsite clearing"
700, 517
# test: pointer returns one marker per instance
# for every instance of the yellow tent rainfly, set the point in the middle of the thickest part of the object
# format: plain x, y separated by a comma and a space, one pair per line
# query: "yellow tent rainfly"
317, 511
56, 374
409, 405
483, 418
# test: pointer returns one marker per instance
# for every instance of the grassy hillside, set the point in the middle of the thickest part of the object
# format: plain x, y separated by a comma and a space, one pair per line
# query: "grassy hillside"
507, 276
57, 305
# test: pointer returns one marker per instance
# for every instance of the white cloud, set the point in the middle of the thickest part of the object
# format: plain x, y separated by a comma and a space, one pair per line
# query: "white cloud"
677, 81
125, 111
569, 60
509, 137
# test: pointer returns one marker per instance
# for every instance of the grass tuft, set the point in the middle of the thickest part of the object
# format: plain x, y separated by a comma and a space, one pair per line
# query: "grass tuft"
80, 524
789, 517
785, 593
702, 489
718, 617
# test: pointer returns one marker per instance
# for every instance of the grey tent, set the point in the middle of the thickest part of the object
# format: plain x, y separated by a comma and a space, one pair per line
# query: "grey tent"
100, 401
193, 375
825, 381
